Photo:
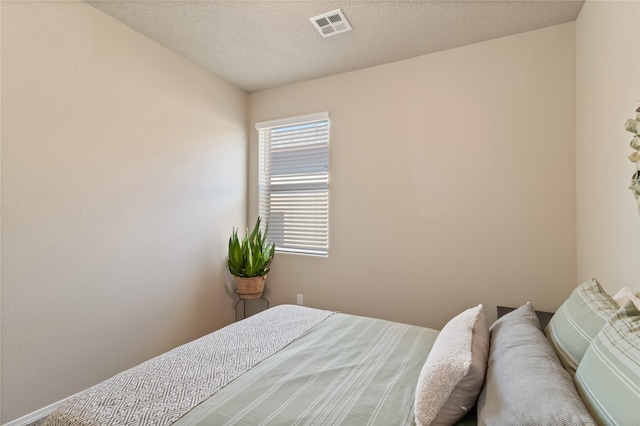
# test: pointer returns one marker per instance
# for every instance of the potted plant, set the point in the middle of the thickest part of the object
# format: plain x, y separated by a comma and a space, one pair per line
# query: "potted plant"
250, 261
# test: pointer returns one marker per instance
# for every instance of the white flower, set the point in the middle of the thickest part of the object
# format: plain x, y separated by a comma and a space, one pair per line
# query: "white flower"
635, 143
635, 157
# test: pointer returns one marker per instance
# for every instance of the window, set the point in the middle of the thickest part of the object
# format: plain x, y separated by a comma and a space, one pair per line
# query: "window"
293, 187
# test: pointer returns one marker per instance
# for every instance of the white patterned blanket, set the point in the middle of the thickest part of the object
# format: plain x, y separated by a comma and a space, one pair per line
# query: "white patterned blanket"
160, 391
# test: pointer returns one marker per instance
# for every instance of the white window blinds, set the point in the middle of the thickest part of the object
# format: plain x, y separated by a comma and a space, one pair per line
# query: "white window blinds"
294, 182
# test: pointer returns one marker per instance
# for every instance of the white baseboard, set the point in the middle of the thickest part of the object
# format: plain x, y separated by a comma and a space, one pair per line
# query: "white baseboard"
36, 415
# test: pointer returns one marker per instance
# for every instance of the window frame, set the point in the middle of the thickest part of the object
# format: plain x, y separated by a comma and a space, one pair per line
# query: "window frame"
301, 188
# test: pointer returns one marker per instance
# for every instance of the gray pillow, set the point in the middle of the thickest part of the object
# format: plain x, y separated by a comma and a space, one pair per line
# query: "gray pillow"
525, 382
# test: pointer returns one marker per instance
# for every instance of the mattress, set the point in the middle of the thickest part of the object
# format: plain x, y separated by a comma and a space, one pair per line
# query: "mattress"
346, 370
289, 365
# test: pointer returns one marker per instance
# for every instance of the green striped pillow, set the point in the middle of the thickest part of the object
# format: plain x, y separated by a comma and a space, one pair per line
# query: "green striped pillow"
577, 322
608, 378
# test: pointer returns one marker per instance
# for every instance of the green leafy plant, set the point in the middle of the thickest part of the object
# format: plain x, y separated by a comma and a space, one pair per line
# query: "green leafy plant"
633, 126
251, 256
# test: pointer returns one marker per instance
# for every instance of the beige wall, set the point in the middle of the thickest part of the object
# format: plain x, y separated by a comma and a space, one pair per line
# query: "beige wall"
608, 90
452, 181
123, 172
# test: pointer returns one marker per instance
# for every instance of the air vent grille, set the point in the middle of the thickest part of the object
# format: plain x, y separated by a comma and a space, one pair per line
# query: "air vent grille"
331, 23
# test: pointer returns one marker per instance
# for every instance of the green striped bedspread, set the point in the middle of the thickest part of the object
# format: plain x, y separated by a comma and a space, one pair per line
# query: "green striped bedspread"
347, 370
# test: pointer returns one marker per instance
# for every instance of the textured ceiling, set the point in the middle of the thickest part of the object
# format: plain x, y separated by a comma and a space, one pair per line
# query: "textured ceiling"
263, 44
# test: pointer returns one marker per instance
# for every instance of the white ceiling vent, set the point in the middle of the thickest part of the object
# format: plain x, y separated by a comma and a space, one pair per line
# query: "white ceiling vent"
331, 23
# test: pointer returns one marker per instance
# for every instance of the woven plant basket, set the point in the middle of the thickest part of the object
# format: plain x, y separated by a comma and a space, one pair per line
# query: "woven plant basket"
250, 287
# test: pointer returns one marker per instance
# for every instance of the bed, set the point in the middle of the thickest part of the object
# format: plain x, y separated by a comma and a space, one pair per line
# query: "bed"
293, 365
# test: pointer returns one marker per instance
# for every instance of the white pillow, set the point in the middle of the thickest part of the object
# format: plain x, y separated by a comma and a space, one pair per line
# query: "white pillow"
452, 376
625, 294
